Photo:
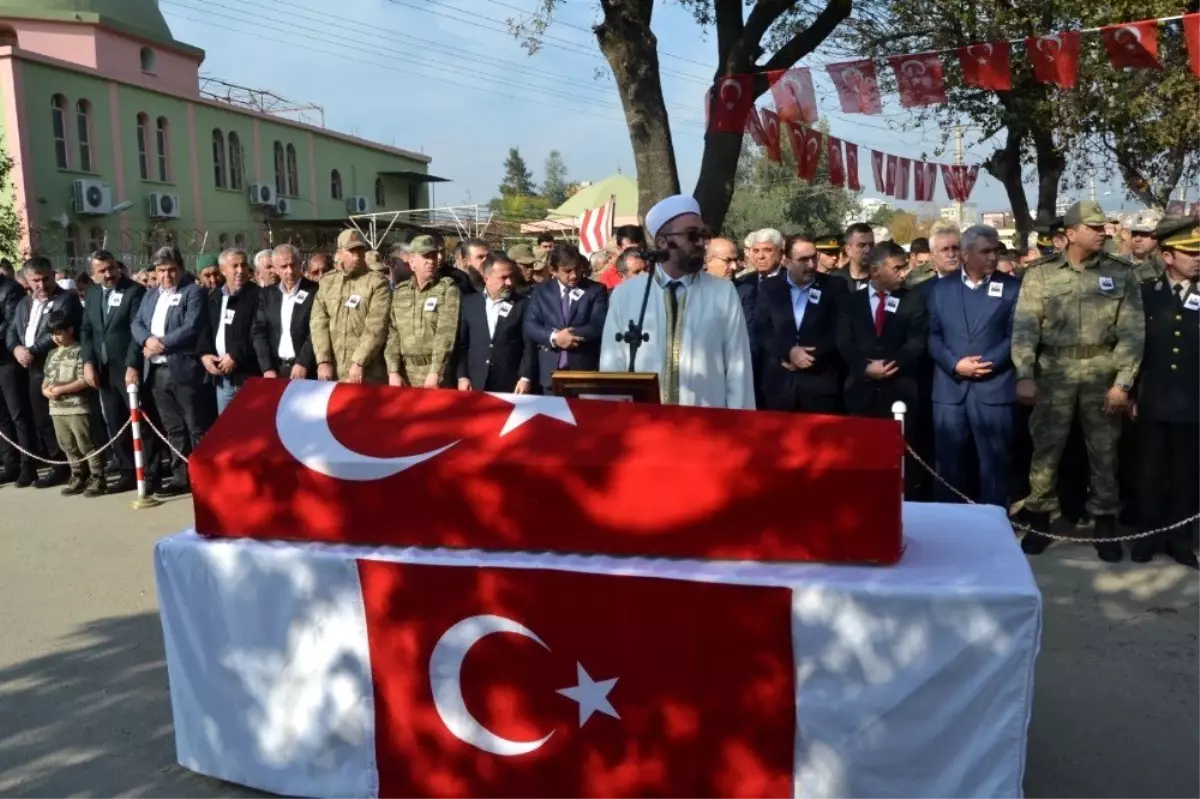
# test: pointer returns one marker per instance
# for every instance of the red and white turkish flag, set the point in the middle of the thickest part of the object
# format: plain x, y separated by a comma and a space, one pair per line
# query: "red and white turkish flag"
837, 171
375, 465
1191, 35
813, 139
919, 181
931, 173
528, 682
770, 130
1055, 57
970, 175
852, 181
857, 87
796, 139
754, 128
903, 168
794, 97
952, 179
890, 179
732, 100
877, 171
919, 79
987, 65
1132, 45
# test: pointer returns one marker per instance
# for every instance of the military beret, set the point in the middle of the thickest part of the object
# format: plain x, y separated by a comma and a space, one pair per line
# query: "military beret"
1085, 212
1179, 233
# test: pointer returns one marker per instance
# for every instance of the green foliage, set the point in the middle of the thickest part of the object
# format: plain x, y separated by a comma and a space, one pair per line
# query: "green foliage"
519, 208
554, 185
10, 223
768, 194
518, 180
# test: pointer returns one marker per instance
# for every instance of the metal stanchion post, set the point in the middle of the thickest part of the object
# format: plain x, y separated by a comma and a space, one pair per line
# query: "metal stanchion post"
898, 411
143, 500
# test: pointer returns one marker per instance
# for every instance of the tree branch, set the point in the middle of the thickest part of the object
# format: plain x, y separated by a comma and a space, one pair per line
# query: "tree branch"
810, 38
728, 17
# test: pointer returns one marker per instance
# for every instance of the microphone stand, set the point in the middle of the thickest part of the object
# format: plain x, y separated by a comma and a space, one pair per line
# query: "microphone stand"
634, 336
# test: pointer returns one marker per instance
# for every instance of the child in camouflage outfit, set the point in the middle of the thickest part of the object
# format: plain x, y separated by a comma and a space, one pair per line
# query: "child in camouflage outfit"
68, 395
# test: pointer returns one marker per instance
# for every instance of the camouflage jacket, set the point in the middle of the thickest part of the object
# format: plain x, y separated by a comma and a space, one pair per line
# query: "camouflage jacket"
1151, 268
1099, 304
423, 327
920, 274
349, 323
64, 365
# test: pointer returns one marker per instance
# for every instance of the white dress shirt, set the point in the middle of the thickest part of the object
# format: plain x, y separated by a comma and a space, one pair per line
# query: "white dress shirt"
800, 298
971, 284
221, 323
158, 322
492, 309
876, 298
287, 348
36, 309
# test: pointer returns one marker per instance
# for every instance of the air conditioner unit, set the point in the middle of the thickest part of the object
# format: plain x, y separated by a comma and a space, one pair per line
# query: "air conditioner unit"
283, 207
92, 198
262, 194
163, 206
357, 204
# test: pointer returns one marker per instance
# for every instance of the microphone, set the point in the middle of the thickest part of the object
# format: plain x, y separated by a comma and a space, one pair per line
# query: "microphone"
658, 256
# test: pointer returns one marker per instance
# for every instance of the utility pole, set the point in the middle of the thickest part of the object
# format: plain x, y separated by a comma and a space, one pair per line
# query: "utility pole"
958, 160
1092, 184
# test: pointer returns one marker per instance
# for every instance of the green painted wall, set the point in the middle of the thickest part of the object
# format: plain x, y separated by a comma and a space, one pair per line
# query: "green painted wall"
223, 212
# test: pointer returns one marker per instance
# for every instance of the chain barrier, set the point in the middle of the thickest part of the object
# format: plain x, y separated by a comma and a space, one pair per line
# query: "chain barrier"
68, 462
1024, 528
146, 421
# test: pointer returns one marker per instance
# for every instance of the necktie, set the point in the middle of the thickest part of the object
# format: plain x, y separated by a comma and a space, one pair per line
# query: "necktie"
1179, 292
107, 292
673, 299
674, 335
566, 314
880, 310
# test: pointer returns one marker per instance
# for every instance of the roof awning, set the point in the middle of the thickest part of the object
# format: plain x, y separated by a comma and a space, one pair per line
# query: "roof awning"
415, 177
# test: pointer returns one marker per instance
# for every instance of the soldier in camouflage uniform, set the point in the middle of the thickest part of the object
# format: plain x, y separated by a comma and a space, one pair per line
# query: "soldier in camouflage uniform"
349, 317
1147, 265
424, 321
1077, 342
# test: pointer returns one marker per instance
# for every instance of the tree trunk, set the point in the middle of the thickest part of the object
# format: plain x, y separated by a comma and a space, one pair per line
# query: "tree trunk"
718, 171
631, 49
1005, 166
1050, 166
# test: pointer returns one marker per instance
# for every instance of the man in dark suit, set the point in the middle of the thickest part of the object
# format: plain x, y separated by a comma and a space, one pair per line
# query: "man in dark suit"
565, 318
30, 342
882, 334
15, 415
796, 328
493, 352
970, 342
766, 258
172, 327
281, 329
1168, 395
112, 360
229, 356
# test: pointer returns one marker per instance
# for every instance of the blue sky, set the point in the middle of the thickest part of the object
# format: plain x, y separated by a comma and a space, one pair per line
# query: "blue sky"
443, 77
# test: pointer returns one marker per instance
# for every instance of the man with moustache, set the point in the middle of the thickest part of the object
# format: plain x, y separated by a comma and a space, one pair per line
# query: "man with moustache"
282, 341
860, 238
423, 322
698, 342
348, 326
229, 356
493, 352
720, 259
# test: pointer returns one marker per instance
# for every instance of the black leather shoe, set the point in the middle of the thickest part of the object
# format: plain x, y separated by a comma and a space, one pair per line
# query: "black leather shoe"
1109, 551
55, 477
1183, 555
1143, 550
26, 479
9, 476
126, 482
173, 489
1033, 543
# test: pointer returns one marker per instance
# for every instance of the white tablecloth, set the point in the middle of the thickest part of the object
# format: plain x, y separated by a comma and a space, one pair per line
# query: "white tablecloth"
914, 680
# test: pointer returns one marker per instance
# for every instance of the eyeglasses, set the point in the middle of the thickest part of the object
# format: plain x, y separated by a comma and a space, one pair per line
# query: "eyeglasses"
726, 258
692, 235
805, 259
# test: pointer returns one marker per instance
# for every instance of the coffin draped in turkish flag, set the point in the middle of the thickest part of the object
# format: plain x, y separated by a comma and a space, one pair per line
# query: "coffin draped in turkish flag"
531, 682
375, 465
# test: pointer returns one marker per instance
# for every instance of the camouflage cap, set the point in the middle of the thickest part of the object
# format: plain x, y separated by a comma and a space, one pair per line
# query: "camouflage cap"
205, 261
1085, 212
828, 242
351, 239
522, 254
1145, 221
422, 245
1179, 233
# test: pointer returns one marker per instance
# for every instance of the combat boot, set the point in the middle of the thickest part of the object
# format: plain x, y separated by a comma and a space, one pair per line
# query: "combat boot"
1106, 528
1034, 543
75, 485
96, 486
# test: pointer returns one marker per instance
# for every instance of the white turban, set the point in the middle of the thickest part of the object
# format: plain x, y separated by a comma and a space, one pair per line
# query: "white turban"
666, 210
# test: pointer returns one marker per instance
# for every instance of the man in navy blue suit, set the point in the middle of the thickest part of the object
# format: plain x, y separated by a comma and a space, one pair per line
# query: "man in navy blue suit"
565, 317
970, 341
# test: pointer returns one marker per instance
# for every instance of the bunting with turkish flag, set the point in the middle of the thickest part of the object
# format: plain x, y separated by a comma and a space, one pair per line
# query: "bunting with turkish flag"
877, 171
732, 102
813, 139
536, 682
987, 66
857, 87
1132, 45
903, 168
795, 99
931, 171
890, 175
797, 140
919, 182
852, 181
919, 79
754, 128
770, 131
970, 174
1191, 35
837, 172
1055, 57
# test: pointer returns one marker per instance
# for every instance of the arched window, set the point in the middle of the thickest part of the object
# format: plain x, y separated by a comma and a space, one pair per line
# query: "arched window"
235, 161
147, 55
280, 173
293, 173
97, 239
58, 121
218, 150
335, 184
71, 244
143, 145
380, 195
239, 241
223, 242
163, 140
83, 116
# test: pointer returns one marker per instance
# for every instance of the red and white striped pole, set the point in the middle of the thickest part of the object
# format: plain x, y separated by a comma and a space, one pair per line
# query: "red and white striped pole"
143, 500
899, 410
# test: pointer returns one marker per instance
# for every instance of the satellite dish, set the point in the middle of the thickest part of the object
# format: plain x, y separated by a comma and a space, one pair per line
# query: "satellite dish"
125, 206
